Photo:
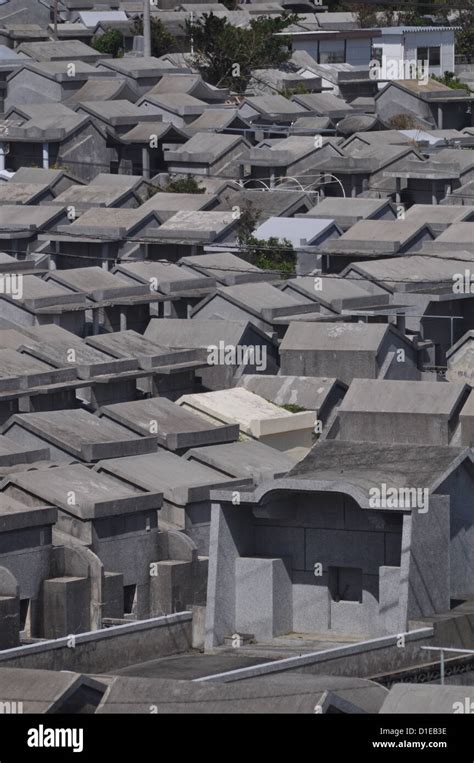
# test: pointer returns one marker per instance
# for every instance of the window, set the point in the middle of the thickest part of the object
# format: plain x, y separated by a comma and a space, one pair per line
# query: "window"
435, 56
345, 584
432, 55
24, 613
129, 594
377, 54
332, 52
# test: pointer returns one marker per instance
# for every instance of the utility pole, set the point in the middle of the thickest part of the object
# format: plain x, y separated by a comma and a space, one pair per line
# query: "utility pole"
146, 28
55, 19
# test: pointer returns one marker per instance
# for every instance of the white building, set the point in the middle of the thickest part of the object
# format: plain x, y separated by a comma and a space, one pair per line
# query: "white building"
402, 45
352, 46
399, 46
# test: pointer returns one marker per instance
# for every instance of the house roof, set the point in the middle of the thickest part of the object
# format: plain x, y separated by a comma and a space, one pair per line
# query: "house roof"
131, 344
176, 103
266, 204
205, 147
400, 396
27, 218
215, 120
436, 215
183, 333
195, 225
93, 195
104, 89
269, 105
135, 67
175, 426
339, 208
250, 459
283, 693
92, 18
288, 150
466, 338
117, 112
22, 193
255, 298
58, 70
164, 277
100, 223
96, 282
167, 204
239, 405
188, 83
370, 464
162, 130
308, 392
425, 698
429, 91
41, 176
331, 291
225, 267
334, 337
42, 691
395, 232
95, 495
324, 104
81, 434
299, 231
63, 50
12, 454
415, 271
390, 30
460, 233
180, 481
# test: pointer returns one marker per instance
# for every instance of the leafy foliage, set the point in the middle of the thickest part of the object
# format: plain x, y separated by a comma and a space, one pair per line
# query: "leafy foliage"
402, 122
465, 36
271, 254
188, 184
226, 54
299, 89
450, 79
110, 42
248, 221
370, 15
161, 40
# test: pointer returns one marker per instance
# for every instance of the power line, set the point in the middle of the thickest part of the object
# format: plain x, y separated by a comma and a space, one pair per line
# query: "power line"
382, 279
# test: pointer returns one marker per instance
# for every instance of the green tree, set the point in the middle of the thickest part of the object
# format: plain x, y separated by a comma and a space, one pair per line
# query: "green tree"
110, 42
226, 54
450, 79
465, 36
373, 15
272, 254
188, 184
248, 221
161, 40
299, 89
